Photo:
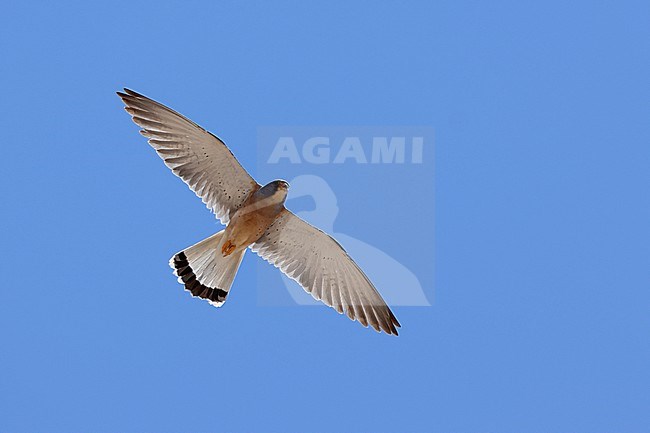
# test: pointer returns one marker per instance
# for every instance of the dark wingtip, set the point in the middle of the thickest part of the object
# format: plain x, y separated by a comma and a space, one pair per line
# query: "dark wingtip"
133, 93
128, 94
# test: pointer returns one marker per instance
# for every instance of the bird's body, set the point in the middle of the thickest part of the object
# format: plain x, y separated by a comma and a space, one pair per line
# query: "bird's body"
255, 219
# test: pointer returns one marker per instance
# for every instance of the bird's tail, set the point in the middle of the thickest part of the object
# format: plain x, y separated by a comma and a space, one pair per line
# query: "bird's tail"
205, 272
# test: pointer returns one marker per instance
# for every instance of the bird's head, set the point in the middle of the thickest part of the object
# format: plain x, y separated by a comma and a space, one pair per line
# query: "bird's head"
281, 184
277, 189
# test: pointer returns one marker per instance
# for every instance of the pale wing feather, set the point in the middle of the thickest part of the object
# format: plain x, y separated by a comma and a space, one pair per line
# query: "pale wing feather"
323, 268
195, 155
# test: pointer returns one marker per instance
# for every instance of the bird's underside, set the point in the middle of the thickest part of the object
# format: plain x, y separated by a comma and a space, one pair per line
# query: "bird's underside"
255, 218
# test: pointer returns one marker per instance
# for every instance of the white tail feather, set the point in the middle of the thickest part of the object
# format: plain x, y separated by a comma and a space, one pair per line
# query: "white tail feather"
204, 271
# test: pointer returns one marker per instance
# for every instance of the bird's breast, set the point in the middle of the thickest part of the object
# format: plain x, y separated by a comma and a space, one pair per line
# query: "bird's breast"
252, 219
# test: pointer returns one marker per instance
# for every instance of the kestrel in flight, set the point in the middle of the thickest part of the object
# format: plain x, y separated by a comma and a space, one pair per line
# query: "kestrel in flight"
255, 218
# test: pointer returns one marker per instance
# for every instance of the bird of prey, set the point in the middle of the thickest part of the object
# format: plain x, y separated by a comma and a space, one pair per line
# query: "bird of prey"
255, 217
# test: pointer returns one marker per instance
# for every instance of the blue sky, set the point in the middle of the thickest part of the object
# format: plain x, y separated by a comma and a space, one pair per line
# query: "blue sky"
539, 321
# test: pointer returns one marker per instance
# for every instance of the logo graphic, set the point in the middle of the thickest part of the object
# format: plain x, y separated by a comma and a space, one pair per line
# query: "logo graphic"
372, 189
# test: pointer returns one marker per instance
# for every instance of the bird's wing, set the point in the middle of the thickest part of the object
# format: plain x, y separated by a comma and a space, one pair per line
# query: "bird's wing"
323, 268
195, 155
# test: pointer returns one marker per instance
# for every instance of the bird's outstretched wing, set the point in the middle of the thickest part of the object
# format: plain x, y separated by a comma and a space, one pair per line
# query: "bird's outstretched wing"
195, 155
323, 268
